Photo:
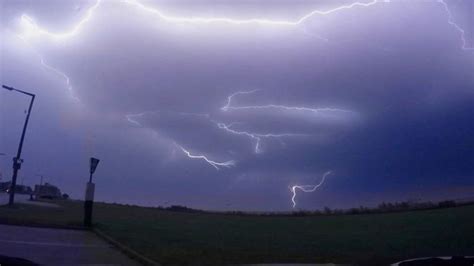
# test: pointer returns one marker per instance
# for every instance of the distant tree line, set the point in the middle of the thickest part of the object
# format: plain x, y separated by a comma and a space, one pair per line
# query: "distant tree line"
384, 207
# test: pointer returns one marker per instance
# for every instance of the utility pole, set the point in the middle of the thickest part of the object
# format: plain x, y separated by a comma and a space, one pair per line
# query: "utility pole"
17, 160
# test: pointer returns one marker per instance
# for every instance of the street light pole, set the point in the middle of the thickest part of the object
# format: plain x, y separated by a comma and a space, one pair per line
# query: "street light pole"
17, 160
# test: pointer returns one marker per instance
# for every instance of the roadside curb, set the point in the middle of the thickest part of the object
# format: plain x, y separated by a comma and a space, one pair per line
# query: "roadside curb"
126, 250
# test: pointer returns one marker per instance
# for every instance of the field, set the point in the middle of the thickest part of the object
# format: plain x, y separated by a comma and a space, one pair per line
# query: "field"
176, 237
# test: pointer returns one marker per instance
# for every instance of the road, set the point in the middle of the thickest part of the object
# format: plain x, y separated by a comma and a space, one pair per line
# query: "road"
58, 247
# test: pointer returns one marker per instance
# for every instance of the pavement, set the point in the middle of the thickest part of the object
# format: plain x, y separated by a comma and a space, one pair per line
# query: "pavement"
46, 246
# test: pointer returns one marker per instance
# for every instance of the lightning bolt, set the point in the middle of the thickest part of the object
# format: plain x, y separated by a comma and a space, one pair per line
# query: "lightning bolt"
227, 106
47, 66
307, 188
456, 26
319, 111
61, 74
132, 119
177, 19
33, 29
255, 136
211, 162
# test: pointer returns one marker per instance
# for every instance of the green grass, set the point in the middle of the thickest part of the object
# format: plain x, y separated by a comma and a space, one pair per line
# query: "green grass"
173, 238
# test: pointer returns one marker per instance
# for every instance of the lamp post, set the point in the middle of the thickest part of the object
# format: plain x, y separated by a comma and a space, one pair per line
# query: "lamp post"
17, 160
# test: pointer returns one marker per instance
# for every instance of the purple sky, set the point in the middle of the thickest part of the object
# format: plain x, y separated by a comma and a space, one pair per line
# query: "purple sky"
381, 94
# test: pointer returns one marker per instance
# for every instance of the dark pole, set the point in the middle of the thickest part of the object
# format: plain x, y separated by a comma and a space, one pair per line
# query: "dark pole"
89, 199
89, 202
17, 159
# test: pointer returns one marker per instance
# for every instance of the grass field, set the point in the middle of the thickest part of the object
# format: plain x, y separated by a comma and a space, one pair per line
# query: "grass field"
174, 237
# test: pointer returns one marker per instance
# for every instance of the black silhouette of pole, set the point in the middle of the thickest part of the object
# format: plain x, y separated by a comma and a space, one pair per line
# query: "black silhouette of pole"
89, 199
17, 159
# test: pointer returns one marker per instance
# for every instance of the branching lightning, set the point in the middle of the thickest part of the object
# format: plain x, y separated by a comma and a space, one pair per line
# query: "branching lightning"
214, 164
132, 119
257, 137
33, 29
307, 188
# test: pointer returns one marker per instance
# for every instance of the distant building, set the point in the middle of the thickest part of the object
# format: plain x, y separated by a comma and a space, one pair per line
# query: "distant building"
19, 189
4, 186
47, 191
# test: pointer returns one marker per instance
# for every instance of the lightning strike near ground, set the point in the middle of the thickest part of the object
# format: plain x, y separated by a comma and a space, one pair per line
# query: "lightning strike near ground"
214, 164
307, 188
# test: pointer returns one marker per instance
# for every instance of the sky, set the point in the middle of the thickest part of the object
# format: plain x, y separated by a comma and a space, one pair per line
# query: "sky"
242, 105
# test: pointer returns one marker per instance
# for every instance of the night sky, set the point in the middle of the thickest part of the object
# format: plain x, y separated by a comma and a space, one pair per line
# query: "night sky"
221, 104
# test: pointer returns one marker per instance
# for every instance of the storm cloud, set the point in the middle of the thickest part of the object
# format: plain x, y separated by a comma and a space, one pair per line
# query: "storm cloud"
380, 94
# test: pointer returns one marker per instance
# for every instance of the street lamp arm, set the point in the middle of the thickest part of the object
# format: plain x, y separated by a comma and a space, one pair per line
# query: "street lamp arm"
8, 88
20, 91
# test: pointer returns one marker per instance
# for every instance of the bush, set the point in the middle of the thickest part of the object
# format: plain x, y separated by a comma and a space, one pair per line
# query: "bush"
446, 204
